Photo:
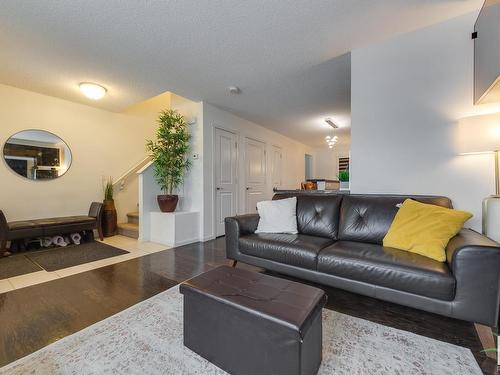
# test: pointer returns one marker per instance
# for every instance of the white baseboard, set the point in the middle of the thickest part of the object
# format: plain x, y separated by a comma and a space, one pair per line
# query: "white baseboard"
186, 242
208, 238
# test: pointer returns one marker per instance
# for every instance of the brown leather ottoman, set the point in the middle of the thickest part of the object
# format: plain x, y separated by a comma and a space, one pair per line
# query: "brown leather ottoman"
249, 323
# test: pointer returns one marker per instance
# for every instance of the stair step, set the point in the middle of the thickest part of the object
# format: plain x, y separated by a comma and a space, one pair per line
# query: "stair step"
128, 230
133, 217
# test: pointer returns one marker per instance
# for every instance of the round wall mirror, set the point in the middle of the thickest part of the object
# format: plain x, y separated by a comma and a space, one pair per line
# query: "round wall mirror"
37, 155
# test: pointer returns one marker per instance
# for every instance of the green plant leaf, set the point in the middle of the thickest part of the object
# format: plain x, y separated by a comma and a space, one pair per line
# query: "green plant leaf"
490, 350
107, 188
343, 176
170, 150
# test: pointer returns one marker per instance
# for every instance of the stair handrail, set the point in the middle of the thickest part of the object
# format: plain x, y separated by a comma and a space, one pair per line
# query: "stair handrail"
121, 181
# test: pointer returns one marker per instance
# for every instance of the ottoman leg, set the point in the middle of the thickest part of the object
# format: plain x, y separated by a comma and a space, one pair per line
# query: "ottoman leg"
233, 264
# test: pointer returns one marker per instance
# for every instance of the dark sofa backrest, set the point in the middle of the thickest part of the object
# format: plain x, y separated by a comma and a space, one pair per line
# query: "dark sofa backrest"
367, 217
319, 215
355, 217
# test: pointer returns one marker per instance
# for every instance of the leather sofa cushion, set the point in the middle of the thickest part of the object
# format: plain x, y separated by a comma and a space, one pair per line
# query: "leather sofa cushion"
18, 225
368, 218
64, 220
22, 229
318, 215
294, 249
37, 223
49, 227
388, 267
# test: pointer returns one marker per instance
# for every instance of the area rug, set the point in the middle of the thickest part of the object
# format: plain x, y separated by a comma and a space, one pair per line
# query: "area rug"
147, 339
16, 265
74, 255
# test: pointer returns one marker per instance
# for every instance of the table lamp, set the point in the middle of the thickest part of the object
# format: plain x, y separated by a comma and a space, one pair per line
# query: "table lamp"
480, 135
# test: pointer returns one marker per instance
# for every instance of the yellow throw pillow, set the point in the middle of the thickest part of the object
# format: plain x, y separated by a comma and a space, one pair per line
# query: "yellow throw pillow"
424, 229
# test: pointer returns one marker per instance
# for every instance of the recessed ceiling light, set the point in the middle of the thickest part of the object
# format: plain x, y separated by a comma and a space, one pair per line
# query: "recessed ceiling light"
92, 90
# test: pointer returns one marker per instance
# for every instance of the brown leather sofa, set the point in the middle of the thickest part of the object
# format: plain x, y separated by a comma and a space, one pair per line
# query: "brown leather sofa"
16, 230
339, 244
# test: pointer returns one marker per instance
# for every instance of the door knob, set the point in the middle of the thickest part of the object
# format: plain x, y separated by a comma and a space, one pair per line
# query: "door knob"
248, 188
218, 188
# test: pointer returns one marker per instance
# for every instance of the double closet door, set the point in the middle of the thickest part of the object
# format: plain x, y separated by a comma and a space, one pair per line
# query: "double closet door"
255, 174
226, 177
231, 163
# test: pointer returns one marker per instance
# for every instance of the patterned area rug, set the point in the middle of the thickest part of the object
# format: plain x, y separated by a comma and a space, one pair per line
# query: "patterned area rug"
147, 339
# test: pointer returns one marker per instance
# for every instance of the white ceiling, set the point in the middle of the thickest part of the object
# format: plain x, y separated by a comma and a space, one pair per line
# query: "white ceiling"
287, 56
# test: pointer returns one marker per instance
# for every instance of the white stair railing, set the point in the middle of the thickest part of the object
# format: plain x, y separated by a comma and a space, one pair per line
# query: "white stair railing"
122, 180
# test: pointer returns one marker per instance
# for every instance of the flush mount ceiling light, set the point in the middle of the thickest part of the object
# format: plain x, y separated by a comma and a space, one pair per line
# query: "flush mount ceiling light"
92, 90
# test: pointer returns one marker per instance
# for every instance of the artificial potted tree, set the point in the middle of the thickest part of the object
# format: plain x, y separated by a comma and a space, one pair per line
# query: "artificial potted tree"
343, 177
109, 217
170, 156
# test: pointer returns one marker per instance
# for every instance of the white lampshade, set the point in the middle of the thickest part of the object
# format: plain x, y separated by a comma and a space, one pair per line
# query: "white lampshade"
479, 134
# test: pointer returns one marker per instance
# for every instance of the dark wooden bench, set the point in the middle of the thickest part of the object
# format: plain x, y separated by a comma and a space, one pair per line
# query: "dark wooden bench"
16, 230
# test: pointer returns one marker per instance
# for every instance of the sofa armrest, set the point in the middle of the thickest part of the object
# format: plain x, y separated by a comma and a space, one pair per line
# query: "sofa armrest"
474, 260
237, 226
470, 244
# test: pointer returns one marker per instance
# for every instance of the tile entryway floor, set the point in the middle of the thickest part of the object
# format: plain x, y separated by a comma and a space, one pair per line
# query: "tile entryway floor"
134, 247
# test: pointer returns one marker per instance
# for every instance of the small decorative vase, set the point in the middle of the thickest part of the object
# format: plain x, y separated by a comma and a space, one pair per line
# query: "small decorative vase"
344, 185
109, 218
167, 202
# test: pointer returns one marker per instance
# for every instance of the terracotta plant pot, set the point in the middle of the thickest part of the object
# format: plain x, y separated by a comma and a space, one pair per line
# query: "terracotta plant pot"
109, 218
167, 202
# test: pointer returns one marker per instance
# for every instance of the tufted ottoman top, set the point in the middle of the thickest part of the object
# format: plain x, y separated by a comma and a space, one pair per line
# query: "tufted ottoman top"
289, 303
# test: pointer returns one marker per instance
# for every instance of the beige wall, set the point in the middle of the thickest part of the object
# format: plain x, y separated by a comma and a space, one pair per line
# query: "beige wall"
191, 193
326, 160
102, 144
408, 95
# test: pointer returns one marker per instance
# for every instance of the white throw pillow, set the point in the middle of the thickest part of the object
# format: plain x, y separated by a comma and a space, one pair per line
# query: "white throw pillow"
279, 216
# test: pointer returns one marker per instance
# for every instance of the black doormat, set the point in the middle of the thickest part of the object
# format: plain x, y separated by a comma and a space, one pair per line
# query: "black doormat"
64, 257
16, 265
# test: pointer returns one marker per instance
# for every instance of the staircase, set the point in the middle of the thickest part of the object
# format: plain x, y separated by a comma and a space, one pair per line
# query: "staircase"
131, 227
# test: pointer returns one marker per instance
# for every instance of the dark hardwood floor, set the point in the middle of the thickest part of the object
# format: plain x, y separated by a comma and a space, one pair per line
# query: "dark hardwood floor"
33, 317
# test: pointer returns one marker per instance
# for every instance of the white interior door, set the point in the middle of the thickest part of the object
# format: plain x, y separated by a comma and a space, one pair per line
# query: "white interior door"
255, 173
276, 167
226, 177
